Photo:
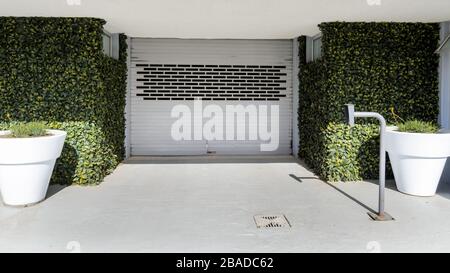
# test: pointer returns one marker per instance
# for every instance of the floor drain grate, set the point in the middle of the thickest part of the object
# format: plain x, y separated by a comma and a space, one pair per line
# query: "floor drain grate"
271, 221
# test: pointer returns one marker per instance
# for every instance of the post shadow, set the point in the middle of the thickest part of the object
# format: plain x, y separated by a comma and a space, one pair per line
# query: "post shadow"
300, 179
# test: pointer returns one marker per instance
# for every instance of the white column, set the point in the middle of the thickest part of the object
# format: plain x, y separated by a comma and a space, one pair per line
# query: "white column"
295, 99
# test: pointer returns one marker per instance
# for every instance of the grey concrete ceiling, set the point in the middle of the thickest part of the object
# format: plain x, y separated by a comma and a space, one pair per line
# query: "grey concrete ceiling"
254, 19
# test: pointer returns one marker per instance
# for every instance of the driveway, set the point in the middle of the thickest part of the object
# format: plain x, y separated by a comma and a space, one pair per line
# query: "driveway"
207, 204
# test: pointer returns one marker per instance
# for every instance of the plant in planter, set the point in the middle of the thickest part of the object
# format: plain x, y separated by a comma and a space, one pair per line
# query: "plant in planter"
418, 152
28, 152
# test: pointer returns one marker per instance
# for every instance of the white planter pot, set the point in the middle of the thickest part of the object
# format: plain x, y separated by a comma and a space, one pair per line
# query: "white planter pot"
418, 160
26, 166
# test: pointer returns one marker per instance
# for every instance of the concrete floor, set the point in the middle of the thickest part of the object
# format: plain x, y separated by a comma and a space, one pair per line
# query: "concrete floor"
207, 205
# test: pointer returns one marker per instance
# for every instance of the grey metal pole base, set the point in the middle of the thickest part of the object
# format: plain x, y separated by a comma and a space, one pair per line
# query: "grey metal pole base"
381, 218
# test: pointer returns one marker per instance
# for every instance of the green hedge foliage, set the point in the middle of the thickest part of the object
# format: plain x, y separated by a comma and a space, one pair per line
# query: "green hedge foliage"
375, 66
53, 70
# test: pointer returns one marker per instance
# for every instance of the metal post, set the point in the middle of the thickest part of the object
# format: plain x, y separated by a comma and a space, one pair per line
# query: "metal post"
350, 115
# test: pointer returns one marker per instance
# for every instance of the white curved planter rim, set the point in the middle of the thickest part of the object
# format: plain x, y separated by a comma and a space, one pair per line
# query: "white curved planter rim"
418, 144
31, 150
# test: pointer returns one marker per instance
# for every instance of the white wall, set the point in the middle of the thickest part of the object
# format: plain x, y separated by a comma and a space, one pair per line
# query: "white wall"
444, 79
444, 91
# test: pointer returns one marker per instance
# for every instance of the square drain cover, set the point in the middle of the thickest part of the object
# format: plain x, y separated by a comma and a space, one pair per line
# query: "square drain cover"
271, 221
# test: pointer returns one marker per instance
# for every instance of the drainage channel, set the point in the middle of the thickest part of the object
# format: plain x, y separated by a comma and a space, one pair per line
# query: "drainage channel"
271, 221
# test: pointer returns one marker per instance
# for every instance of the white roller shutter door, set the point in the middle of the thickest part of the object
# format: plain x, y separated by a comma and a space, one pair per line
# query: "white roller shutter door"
170, 72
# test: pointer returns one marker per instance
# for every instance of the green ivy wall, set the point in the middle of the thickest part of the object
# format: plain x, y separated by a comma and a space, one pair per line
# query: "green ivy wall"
375, 66
53, 70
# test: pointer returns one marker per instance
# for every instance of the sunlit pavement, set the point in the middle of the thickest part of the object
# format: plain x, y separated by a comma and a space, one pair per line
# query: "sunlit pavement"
207, 204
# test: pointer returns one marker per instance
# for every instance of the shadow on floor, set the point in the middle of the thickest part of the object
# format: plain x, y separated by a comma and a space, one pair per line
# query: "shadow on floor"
300, 179
51, 191
443, 189
54, 189
209, 159
389, 184
444, 184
